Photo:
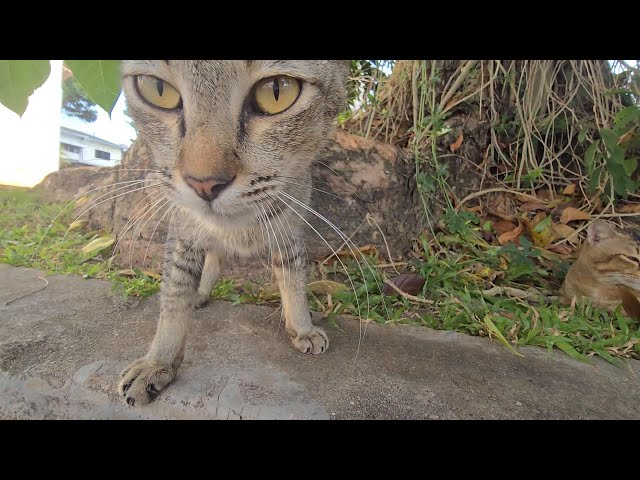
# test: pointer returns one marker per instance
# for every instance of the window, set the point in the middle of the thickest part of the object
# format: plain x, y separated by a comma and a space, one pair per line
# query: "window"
103, 155
70, 148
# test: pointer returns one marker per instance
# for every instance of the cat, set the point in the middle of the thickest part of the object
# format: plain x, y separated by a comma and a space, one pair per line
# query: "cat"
607, 270
232, 143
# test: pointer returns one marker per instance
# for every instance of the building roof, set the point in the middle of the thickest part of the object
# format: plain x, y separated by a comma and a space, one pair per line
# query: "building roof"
93, 137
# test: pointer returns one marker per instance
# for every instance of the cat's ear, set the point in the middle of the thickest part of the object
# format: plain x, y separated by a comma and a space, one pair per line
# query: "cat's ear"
598, 231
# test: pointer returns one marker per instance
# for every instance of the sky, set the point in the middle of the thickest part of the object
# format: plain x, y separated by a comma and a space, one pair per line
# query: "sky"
115, 129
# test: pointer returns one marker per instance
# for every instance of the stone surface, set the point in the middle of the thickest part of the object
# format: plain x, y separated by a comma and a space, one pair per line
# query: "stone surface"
62, 348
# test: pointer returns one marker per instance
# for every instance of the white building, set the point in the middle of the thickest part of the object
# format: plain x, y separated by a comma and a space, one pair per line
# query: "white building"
77, 147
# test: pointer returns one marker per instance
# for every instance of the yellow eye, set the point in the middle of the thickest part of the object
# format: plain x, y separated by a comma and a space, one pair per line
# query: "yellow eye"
276, 94
158, 92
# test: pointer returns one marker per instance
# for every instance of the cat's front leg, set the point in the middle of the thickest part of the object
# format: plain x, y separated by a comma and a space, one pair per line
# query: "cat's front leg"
145, 378
291, 275
210, 274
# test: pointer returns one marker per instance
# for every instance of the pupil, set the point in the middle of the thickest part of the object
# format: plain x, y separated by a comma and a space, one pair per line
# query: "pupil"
160, 86
276, 89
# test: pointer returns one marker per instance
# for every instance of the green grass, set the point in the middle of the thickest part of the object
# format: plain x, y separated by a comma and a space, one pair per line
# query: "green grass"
457, 265
37, 234
461, 270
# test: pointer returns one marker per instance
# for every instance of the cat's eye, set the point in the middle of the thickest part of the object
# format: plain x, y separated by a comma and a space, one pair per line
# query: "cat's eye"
631, 260
276, 94
158, 92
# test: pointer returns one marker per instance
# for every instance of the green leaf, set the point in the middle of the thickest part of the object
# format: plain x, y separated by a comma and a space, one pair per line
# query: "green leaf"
589, 156
19, 79
594, 181
100, 79
610, 139
607, 356
77, 224
626, 116
572, 352
630, 165
493, 329
99, 243
582, 134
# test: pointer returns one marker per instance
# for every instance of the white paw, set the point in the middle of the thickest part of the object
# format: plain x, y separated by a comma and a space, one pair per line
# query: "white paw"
314, 342
142, 381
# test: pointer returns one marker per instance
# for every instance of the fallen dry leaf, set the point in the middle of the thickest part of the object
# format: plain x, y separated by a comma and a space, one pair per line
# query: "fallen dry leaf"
501, 205
544, 194
152, 274
560, 207
503, 226
366, 249
571, 214
324, 287
532, 206
630, 208
476, 209
561, 249
511, 236
410, 283
564, 231
456, 145
129, 272
569, 189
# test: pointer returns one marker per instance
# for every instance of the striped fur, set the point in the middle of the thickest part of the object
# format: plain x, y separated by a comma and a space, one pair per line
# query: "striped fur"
217, 134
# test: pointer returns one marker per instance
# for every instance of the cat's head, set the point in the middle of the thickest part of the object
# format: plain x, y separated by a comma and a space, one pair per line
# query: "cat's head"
227, 134
613, 256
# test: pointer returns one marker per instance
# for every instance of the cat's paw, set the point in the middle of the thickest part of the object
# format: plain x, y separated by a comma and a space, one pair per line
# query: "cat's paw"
142, 381
202, 300
314, 342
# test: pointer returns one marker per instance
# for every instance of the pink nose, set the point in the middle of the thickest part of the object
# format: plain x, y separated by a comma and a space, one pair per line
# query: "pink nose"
209, 188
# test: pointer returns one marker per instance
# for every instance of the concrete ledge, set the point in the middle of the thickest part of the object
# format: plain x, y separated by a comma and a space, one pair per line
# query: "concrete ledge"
62, 349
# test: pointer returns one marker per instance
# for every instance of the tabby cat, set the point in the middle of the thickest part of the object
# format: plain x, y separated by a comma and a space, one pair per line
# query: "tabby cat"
607, 270
232, 143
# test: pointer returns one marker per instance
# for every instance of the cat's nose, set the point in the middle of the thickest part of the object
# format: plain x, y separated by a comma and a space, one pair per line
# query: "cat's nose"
209, 188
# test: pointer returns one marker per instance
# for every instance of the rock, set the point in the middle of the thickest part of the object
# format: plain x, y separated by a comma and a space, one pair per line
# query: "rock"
369, 177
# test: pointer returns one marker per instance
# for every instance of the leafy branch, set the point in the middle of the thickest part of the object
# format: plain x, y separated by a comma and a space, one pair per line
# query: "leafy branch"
99, 79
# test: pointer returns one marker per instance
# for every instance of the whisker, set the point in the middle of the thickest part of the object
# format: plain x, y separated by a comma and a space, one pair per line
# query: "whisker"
284, 244
334, 252
78, 216
284, 279
133, 221
313, 188
349, 243
339, 176
266, 241
142, 225
146, 252
76, 198
87, 209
